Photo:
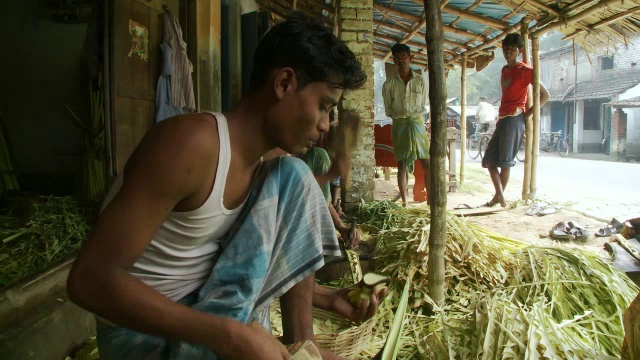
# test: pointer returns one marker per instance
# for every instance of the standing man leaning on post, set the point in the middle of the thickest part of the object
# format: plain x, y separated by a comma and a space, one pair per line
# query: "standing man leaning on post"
505, 142
405, 101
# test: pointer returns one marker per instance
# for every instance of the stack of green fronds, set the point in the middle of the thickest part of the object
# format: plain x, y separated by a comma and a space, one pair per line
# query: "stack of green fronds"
94, 170
55, 231
379, 214
89, 351
505, 299
471, 256
8, 179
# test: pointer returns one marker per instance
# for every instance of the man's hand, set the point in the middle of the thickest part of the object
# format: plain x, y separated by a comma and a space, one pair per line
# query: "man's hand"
345, 232
252, 341
341, 305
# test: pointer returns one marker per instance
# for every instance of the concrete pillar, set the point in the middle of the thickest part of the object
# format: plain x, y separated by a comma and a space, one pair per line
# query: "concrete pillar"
208, 79
356, 30
618, 135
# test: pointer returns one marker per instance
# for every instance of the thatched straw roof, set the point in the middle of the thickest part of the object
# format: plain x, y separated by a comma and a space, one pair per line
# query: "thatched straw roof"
476, 27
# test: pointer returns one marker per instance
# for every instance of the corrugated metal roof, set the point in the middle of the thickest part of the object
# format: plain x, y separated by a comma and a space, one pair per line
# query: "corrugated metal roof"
469, 25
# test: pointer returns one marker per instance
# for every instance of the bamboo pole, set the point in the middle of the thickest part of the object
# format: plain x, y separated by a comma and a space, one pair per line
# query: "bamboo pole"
604, 22
437, 152
416, 18
526, 190
484, 20
486, 44
407, 37
535, 50
463, 117
575, 18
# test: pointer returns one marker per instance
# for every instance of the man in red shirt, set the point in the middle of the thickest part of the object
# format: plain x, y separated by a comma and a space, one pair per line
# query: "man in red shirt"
507, 138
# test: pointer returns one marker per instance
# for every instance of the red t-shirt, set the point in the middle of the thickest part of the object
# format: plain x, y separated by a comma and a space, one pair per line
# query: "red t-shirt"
515, 83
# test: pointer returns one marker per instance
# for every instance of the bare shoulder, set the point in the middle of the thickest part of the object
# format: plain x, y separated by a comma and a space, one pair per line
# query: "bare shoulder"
177, 152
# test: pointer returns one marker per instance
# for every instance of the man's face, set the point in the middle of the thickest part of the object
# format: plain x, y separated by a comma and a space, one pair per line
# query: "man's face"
302, 115
402, 60
511, 52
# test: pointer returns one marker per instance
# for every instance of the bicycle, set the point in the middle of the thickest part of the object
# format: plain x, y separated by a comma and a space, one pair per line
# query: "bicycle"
554, 141
477, 143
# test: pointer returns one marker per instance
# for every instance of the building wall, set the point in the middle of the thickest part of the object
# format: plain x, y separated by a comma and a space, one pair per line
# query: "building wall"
356, 30
633, 122
589, 65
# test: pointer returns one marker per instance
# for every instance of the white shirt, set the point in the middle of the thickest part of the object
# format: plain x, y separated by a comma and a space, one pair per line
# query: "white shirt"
402, 100
485, 112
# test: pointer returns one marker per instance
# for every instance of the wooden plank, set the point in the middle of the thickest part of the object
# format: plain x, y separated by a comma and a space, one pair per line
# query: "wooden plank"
477, 211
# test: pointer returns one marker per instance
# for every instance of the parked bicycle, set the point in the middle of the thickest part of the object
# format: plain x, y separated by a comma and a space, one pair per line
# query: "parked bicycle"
554, 141
477, 143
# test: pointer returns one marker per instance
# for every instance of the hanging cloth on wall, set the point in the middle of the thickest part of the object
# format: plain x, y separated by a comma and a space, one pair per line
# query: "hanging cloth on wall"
181, 83
164, 108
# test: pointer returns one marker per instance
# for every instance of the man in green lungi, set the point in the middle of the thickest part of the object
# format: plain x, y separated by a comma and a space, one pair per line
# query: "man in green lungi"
405, 101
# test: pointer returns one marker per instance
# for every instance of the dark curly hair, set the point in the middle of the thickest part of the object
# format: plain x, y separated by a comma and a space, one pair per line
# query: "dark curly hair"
513, 39
311, 50
398, 48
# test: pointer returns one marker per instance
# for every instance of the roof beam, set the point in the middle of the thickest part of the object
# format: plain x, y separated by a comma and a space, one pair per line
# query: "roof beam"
485, 20
416, 18
322, 5
422, 35
575, 18
470, 8
412, 43
545, 7
604, 22
408, 36
487, 44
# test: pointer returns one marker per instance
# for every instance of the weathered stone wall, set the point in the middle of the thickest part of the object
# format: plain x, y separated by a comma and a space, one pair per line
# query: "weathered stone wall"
356, 30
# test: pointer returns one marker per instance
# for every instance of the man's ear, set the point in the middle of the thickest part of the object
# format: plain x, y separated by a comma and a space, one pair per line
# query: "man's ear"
285, 82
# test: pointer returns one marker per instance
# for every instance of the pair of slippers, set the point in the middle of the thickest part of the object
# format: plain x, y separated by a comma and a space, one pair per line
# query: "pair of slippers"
613, 227
541, 209
569, 231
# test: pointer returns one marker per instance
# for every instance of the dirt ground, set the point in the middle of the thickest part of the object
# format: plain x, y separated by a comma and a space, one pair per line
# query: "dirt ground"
512, 222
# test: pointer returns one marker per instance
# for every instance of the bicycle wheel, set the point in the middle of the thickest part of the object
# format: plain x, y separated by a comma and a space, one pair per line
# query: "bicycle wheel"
520, 155
544, 146
387, 150
563, 147
473, 146
484, 143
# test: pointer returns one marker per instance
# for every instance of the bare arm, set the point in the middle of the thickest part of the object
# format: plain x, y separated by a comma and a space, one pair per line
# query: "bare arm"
168, 170
544, 97
386, 96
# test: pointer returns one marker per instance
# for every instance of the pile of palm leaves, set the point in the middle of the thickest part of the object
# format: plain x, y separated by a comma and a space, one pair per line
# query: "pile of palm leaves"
53, 231
505, 299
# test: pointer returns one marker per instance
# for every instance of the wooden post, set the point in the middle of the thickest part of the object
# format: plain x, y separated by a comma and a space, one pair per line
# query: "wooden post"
463, 117
535, 50
438, 151
524, 32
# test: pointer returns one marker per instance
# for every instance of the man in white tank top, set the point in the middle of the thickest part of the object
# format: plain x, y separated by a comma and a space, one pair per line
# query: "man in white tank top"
155, 246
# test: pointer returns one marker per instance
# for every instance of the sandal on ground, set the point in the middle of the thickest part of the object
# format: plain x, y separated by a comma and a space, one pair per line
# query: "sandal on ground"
462, 206
536, 208
579, 231
561, 235
562, 226
548, 210
606, 231
489, 204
